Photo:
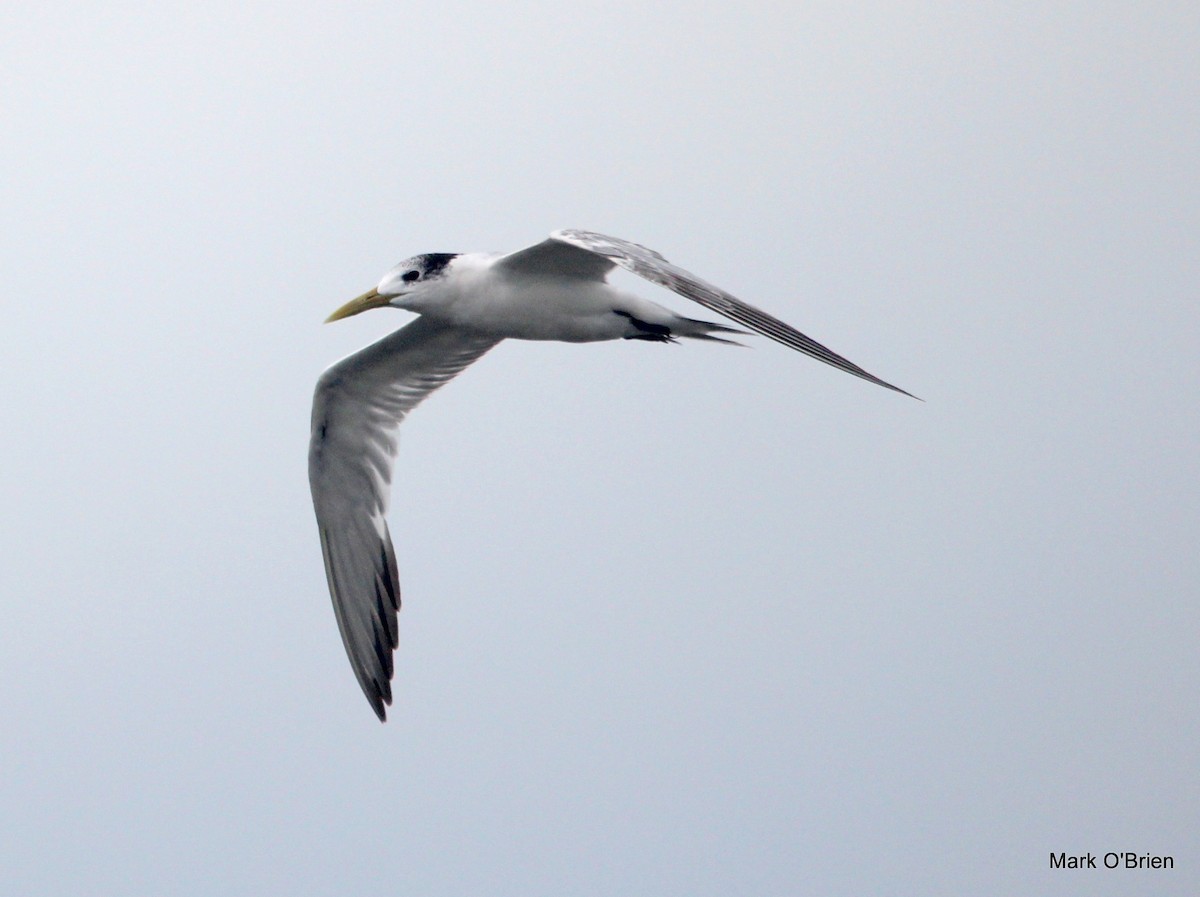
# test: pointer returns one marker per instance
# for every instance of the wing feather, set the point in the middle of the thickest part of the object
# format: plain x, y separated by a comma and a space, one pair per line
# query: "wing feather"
357, 409
648, 264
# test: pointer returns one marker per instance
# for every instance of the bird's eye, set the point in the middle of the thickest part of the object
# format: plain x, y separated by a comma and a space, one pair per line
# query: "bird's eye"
410, 276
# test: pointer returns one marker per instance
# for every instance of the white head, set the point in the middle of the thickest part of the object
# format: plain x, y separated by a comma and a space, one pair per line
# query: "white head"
402, 287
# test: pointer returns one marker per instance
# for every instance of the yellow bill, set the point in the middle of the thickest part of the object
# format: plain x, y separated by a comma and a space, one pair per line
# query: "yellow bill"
369, 299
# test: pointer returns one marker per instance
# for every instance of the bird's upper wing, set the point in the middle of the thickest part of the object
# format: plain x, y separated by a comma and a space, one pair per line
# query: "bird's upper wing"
590, 255
558, 258
358, 405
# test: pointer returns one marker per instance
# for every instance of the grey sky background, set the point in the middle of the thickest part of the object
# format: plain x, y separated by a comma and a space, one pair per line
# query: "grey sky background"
678, 620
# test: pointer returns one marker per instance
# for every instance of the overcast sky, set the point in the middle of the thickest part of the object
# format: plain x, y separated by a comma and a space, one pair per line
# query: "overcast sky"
678, 620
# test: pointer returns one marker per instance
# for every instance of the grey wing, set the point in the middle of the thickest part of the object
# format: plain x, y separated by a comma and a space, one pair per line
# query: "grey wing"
656, 269
358, 406
556, 257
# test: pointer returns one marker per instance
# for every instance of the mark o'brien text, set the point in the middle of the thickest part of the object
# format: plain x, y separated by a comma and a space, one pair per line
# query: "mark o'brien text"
1126, 860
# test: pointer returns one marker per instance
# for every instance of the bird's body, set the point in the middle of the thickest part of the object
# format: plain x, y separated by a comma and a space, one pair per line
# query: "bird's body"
483, 298
467, 303
509, 298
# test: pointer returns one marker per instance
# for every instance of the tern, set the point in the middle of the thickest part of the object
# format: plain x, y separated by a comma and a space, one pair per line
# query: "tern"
466, 304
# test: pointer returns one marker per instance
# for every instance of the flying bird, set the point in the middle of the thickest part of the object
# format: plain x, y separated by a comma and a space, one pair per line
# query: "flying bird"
467, 303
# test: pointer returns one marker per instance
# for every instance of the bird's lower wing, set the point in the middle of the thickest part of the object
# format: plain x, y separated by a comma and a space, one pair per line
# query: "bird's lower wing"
358, 406
653, 267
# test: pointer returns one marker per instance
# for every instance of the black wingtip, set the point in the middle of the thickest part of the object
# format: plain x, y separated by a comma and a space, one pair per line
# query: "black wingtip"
904, 392
842, 364
379, 692
379, 706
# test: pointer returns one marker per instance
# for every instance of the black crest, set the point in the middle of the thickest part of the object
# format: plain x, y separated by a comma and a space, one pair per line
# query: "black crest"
433, 263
